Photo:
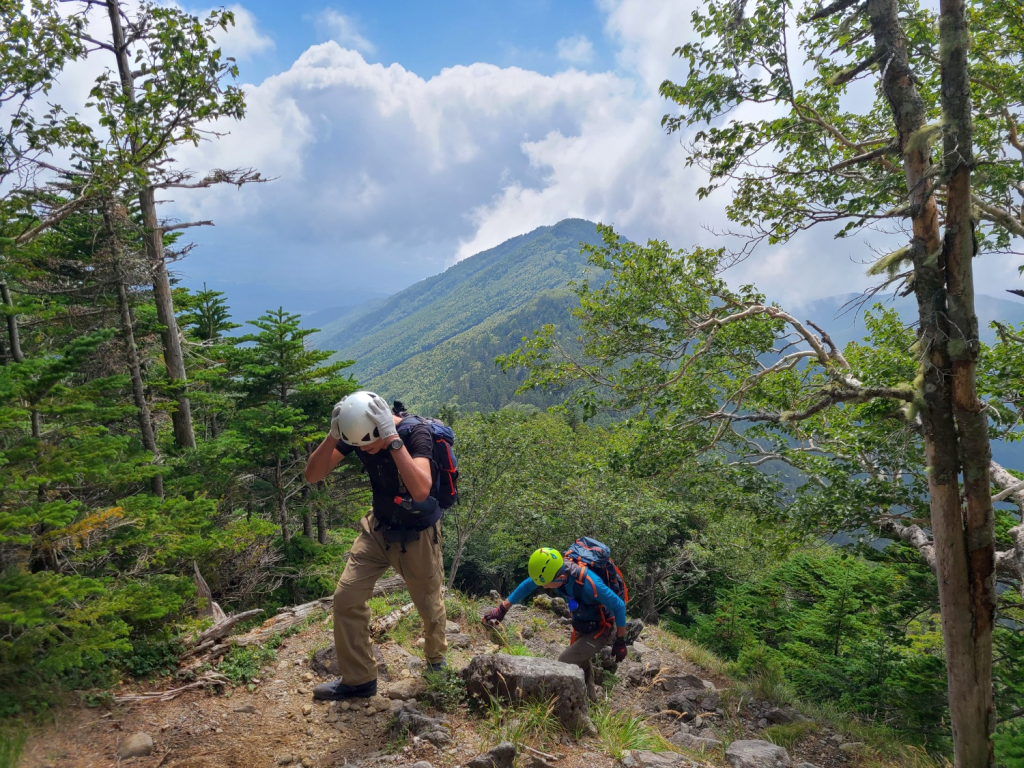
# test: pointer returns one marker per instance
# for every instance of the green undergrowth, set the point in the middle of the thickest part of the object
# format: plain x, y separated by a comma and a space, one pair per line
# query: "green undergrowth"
12, 742
243, 662
385, 604
620, 730
445, 688
510, 641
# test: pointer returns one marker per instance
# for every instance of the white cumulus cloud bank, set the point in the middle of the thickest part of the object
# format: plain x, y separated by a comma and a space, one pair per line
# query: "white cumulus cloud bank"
383, 177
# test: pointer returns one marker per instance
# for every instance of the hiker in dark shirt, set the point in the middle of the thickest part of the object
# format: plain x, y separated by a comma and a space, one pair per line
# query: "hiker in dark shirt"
401, 532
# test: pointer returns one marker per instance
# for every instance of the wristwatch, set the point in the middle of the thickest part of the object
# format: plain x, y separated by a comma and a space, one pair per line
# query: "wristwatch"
395, 444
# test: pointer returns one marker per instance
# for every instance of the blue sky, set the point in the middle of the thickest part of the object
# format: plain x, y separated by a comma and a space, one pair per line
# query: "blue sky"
427, 37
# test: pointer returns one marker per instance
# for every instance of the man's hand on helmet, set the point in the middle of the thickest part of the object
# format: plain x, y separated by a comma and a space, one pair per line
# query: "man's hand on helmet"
380, 413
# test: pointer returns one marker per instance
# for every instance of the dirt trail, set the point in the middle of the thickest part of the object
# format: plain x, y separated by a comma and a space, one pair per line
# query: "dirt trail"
278, 723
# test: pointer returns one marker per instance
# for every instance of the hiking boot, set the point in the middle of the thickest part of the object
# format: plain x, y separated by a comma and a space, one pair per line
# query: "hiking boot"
438, 666
339, 691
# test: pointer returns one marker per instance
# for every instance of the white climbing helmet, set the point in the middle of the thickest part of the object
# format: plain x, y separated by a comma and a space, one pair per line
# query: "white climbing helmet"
351, 422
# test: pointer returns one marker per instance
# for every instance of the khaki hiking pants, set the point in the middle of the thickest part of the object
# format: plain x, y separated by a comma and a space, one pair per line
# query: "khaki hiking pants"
582, 651
422, 567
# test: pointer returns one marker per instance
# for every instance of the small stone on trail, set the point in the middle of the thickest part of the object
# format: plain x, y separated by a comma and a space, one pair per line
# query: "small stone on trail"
501, 756
345, 705
421, 642
699, 743
451, 628
246, 709
285, 760
643, 759
406, 689
806, 765
784, 716
527, 633
851, 747
307, 708
754, 753
136, 745
308, 677
460, 640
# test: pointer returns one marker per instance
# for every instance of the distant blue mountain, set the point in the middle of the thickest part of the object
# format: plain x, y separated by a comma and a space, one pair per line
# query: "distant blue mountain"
843, 316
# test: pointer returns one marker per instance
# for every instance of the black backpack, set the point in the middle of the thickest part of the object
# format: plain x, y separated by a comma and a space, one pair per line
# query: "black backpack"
446, 489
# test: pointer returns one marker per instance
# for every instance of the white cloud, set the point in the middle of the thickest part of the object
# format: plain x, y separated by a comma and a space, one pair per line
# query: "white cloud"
385, 177
575, 50
243, 40
344, 32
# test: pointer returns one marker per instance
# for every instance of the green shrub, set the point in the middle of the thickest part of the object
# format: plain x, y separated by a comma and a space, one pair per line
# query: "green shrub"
243, 662
445, 688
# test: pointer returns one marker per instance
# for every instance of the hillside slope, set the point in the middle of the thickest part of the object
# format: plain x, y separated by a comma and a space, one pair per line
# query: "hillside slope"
496, 293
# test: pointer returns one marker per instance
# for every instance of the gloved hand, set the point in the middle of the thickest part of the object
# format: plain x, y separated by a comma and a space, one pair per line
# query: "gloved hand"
380, 413
619, 649
495, 615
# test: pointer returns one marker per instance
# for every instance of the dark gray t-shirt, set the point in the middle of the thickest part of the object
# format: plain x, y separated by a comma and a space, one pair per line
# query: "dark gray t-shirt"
386, 482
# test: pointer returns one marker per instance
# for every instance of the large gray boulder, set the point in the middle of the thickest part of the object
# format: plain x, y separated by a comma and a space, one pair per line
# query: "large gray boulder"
754, 753
501, 756
527, 678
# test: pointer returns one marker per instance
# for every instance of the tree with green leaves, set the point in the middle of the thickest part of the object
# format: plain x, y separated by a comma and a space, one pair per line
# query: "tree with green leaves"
171, 80
667, 335
283, 391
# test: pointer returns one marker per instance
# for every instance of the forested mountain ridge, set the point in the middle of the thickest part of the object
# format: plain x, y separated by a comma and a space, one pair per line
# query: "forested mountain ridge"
481, 292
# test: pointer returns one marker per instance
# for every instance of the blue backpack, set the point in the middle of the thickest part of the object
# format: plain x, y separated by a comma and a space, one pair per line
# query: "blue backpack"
446, 489
588, 553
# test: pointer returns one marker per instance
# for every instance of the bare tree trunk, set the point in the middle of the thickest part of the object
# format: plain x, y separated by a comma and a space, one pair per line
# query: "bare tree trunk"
321, 526
282, 503
961, 596
969, 640
181, 418
307, 524
138, 385
453, 569
12, 323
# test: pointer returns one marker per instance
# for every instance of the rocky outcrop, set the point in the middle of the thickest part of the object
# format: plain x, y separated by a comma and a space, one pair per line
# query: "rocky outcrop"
525, 678
501, 756
754, 753
690, 702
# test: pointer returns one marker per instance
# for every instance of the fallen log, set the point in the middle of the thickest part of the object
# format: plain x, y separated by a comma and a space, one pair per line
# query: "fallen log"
382, 625
207, 680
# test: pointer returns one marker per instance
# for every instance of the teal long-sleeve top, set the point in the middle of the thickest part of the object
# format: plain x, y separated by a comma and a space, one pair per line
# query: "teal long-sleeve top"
604, 597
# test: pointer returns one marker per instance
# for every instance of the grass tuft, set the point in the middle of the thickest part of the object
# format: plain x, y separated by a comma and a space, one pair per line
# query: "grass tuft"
532, 723
12, 742
789, 735
619, 731
243, 662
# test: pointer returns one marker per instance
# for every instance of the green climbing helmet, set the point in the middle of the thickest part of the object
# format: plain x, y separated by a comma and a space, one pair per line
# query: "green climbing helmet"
545, 565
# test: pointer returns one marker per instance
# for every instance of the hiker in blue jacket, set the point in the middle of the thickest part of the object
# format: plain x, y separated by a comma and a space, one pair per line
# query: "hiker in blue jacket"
596, 609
